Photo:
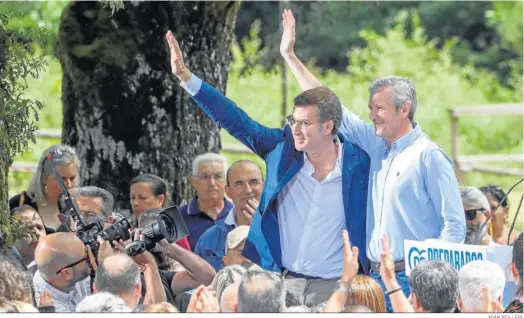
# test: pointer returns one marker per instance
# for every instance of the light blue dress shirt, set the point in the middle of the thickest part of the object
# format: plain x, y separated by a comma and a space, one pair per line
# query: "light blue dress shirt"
413, 193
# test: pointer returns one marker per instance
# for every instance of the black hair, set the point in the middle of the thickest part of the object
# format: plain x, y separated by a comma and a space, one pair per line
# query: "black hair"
518, 260
158, 185
497, 193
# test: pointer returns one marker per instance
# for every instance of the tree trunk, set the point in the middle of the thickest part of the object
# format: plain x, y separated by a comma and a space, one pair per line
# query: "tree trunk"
5, 160
123, 110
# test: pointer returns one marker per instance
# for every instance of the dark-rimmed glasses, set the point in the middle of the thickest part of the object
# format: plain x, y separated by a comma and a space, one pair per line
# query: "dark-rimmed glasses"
302, 124
472, 213
86, 259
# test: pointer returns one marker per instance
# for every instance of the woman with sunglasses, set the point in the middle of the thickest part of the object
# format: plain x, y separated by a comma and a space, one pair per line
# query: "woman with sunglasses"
44, 189
499, 230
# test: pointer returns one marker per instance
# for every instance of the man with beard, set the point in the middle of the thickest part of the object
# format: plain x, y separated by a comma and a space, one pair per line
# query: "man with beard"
476, 208
63, 269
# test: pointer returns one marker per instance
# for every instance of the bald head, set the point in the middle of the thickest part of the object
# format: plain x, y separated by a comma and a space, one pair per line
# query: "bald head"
57, 250
117, 274
240, 165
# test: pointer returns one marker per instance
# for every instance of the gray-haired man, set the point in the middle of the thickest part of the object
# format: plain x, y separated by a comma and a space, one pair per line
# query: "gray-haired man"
95, 204
477, 211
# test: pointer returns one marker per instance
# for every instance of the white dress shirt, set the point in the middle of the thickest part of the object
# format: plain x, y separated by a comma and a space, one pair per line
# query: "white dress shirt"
311, 219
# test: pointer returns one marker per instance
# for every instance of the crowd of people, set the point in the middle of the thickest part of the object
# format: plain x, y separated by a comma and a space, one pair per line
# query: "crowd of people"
322, 230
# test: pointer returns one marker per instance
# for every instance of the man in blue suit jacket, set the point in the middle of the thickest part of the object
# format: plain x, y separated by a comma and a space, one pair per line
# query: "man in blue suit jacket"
316, 186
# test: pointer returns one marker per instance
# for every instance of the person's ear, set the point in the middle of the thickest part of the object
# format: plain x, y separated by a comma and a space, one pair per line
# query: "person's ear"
415, 303
194, 181
66, 274
515, 271
162, 199
225, 260
229, 191
404, 110
329, 127
138, 290
460, 304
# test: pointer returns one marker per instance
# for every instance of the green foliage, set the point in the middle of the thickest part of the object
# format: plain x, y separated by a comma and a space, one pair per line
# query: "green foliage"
19, 65
29, 18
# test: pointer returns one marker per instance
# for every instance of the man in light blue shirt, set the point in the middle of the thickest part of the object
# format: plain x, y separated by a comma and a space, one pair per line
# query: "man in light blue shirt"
413, 193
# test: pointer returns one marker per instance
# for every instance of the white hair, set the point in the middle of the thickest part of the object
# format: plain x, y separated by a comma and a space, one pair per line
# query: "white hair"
475, 275
300, 308
208, 158
474, 198
102, 302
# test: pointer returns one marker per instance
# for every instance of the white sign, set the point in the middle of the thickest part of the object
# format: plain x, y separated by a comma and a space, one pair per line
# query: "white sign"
459, 255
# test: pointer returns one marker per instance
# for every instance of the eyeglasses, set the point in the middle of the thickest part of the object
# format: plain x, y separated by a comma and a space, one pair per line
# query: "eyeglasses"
302, 123
216, 176
85, 259
472, 213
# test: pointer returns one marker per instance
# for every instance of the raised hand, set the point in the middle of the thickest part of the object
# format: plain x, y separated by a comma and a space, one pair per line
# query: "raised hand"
251, 208
178, 66
350, 269
45, 299
487, 304
288, 36
387, 265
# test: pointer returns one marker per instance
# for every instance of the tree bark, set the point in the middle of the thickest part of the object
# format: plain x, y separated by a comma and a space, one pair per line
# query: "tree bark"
123, 110
5, 160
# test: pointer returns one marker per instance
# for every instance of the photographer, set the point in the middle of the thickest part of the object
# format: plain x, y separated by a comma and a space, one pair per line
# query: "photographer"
64, 265
176, 283
117, 275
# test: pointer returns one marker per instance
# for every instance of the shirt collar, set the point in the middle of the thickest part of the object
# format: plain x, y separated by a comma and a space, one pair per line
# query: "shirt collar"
56, 293
230, 218
194, 210
308, 166
407, 140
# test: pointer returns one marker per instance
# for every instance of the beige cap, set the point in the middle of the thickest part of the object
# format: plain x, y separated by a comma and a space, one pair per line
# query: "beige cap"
237, 237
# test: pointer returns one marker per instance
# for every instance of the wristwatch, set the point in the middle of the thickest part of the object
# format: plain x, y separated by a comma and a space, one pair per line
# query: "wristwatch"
343, 286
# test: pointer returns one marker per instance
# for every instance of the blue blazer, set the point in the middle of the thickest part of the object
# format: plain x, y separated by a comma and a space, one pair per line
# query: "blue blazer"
276, 146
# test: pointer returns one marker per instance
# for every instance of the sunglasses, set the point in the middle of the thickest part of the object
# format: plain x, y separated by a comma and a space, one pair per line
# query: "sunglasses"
85, 259
472, 214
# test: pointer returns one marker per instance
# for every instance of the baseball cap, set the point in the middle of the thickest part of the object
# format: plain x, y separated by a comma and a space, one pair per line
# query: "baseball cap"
237, 237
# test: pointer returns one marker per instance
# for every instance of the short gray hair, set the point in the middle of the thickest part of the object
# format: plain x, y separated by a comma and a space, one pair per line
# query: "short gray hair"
209, 157
327, 103
226, 277
300, 308
475, 275
403, 91
96, 192
474, 198
436, 285
102, 302
261, 291
121, 281
63, 155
